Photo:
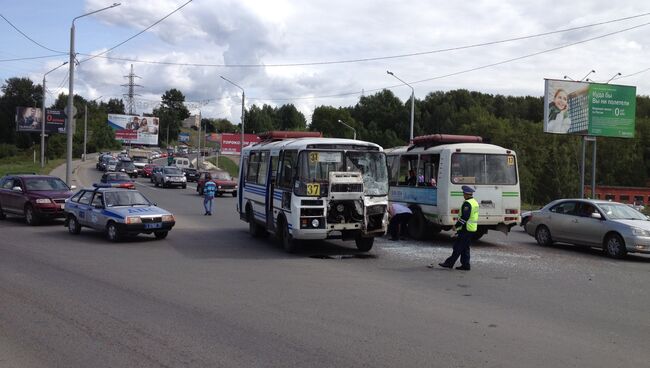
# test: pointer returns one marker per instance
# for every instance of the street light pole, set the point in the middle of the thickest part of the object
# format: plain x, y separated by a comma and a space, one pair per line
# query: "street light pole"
353, 130
243, 98
70, 115
412, 102
43, 117
198, 138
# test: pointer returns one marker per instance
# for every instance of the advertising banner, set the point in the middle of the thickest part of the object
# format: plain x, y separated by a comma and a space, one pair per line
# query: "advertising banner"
593, 109
230, 142
213, 137
29, 119
134, 129
183, 137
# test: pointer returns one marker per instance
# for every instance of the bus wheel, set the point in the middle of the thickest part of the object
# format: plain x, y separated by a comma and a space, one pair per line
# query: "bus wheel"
364, 244
289, 244
417, 225
253, 227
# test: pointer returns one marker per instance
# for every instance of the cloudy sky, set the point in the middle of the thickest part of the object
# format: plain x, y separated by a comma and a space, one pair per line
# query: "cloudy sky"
308, 52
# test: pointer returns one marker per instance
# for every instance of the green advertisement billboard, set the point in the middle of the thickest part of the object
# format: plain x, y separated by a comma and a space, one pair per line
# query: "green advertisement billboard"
593, 109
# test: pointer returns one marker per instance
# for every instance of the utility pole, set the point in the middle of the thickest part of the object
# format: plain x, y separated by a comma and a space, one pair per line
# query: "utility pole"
130, 103
198, 138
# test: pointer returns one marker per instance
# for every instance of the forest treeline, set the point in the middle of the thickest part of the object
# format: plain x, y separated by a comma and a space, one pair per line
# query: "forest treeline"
549, 164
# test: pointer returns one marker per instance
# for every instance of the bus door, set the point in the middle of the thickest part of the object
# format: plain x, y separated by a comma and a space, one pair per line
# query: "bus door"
270, 190
241, 185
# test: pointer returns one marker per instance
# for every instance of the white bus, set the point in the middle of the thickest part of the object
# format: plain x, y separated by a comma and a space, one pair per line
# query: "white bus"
428, 176
299, 186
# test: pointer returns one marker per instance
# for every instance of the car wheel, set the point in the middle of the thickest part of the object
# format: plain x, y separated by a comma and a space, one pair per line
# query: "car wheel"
155, 183
112, 232
30, 216
289, 244
73, 225
614, 246
161, 234
234, 194
184, 186
364, 244
543, 236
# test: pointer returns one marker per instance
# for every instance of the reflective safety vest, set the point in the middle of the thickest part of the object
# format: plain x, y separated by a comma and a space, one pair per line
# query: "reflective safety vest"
472, 223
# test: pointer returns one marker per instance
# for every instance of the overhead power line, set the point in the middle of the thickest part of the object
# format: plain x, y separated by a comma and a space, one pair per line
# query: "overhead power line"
29, 38
135, 35
32, 57
345, 94
348, 61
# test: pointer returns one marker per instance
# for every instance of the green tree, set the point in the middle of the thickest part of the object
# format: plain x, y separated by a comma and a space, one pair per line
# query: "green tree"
258, 120
289, 118
18, 92
171, 114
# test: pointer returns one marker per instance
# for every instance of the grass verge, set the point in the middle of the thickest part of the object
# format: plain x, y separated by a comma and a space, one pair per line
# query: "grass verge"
226, 164
25, 164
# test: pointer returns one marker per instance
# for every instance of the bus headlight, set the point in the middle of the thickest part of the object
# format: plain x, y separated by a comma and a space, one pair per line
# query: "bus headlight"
315, 222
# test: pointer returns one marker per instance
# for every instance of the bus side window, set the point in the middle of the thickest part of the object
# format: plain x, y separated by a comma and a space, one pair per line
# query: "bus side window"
274, 168
263, 167
253, 166
429, 169
393, 170
406, 163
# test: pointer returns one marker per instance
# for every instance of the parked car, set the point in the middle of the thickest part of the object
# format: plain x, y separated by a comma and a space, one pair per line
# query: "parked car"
35, 197
127, 166
119, 179
118, 212
170, 176
191, 174
147, 171
225, 183
615, 227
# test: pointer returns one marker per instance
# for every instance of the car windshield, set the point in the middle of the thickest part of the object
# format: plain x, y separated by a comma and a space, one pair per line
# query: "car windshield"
221, 176
315, 166
172, 171
125, 198
112, 162
128, 165
44, 184
491, 169
619, 211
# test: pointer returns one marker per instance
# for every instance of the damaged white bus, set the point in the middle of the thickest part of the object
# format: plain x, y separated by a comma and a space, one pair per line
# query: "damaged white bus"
300, 186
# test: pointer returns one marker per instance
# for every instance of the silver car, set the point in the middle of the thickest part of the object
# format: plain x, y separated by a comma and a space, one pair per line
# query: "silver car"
614, 227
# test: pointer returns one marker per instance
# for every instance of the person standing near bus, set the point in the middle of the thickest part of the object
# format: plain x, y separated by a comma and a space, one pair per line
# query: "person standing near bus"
209, 188
466, 227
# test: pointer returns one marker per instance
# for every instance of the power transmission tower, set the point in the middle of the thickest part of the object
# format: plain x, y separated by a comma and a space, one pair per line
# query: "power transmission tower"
130, 102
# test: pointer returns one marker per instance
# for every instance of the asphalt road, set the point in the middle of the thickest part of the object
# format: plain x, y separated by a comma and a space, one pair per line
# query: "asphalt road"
211, 296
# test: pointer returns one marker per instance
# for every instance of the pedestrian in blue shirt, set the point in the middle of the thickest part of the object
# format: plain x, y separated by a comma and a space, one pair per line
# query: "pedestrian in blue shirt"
209, 188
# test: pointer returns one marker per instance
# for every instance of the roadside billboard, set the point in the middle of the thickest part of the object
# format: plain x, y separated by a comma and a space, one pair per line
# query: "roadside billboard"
134, 129
29, 119
183, 137
230, 142
593, 109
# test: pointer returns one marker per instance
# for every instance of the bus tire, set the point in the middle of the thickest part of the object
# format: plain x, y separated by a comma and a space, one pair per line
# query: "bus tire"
417, 226
253, 227
289, 244
364, 244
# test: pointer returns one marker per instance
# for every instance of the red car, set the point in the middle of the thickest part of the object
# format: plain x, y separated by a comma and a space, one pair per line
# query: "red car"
35, 197
147, 171
225, 183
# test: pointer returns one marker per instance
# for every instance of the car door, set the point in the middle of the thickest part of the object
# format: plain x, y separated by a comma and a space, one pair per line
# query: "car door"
83, 208
586, 229
6, 195
95, 216
561, 221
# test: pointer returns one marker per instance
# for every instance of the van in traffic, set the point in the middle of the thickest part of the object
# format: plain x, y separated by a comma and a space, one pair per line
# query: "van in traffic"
181, 162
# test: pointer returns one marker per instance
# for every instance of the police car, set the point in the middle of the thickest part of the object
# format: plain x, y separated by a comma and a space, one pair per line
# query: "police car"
117, 211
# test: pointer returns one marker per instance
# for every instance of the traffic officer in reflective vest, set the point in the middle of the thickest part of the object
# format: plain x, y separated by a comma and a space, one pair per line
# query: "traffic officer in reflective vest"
465, 227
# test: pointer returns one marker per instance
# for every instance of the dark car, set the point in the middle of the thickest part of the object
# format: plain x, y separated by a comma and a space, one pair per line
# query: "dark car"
35, 197
225, 183
102, 161
127, 166
118, 180
191, 174
154, 170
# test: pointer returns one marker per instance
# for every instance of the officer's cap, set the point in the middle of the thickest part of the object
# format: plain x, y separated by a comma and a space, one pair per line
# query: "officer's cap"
467, 189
